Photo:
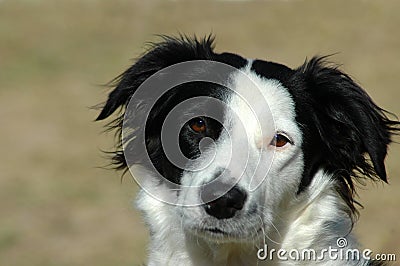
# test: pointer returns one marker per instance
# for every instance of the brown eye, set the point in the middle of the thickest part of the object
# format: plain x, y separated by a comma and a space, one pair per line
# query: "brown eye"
198, 125
279, 140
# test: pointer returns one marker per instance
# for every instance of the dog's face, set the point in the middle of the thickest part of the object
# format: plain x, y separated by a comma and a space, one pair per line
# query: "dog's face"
232, 154
249, 168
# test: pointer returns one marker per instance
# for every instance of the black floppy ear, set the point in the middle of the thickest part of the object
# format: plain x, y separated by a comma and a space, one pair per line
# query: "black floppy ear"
349, 124
166, 53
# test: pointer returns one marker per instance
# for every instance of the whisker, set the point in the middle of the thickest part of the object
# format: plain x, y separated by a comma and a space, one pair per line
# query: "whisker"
265, 234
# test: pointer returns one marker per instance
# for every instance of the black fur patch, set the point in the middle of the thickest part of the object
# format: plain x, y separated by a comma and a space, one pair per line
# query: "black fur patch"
345, 132
161, 55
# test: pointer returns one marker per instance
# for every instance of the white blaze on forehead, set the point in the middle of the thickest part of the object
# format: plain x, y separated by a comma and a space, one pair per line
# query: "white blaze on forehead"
262, 105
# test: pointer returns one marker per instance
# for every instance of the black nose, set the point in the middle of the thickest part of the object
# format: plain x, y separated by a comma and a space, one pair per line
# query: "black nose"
225, 206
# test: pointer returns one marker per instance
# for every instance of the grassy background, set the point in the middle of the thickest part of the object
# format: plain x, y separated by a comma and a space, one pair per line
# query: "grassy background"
57, 207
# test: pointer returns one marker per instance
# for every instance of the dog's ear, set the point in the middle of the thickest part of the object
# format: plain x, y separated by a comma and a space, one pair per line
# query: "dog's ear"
349, 124
166, 53
160, 55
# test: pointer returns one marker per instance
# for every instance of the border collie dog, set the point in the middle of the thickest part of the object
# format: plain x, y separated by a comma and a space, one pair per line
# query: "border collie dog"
245, 161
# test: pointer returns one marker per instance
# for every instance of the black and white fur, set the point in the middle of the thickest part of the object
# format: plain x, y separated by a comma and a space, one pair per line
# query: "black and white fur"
334, 135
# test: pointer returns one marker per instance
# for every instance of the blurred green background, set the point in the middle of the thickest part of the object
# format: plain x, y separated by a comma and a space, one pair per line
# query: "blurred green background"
57, 207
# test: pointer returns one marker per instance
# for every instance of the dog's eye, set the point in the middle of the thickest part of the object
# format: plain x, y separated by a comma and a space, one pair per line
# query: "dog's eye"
198, 125
280, 140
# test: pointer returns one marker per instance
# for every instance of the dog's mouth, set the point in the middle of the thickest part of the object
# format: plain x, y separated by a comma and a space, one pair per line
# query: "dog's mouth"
245, 229
220, 234
215, 231
216, 234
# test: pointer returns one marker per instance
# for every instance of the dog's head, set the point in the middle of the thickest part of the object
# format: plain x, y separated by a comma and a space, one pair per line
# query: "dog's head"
232, 141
